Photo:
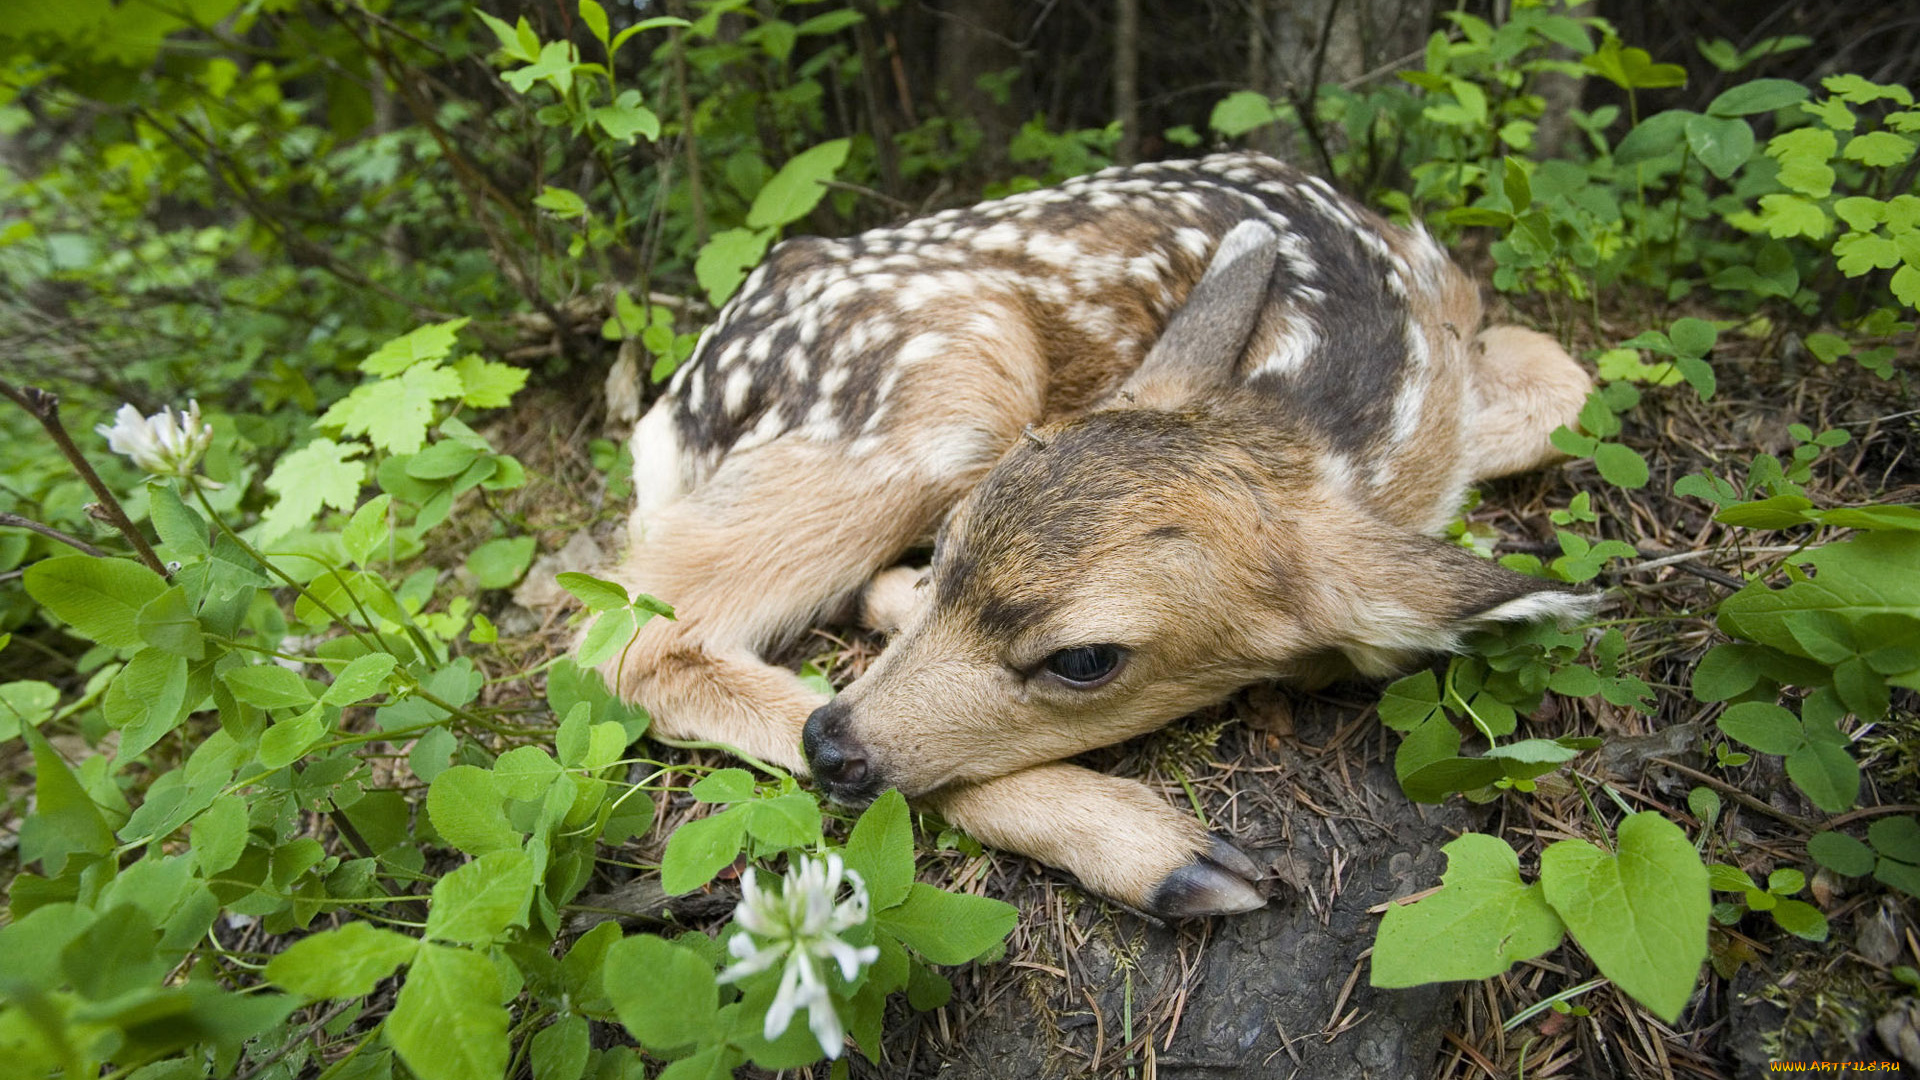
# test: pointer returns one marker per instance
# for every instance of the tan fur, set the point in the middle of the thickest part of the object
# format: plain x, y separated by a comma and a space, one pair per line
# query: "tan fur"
1222, 532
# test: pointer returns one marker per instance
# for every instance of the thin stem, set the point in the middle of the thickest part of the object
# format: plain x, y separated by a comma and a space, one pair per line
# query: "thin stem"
45, 407
18, 522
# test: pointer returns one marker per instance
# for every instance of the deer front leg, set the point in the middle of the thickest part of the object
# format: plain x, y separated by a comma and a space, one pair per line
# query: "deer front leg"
1120, 839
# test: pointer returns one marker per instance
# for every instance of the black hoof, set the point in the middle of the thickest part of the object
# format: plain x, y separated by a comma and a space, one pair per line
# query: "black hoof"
1221, 882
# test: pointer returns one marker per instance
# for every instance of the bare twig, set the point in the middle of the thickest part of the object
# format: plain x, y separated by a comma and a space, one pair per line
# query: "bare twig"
18, 522
45, 407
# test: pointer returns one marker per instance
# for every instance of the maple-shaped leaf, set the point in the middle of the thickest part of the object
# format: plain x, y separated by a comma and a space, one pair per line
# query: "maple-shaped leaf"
432, 342
486, 384
394, 414
321, 473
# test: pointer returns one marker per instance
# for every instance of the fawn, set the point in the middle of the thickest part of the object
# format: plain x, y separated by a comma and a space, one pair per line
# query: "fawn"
1171, 430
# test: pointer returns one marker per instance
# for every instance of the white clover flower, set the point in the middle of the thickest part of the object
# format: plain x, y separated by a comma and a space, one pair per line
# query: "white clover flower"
801, 922
165, 444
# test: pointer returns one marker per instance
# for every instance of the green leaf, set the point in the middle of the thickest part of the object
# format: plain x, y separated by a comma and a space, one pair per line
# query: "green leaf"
360, 680
1879, 149
499, 563
476, 903
1409, 702
432, 342
880, 850
1800, 919
219, 835
146, 700
1727, 671
560, 1050
485, 384
788, 821
723, 786
948, 928
561, 202
1656, 136
626, 119
664, 994
595, 18
797, 188
1241, 112
1758, 96
1763, 726
1778, 512
1693, 337
1722, 144
1642, 914
1784, 215
1840, 853
289, 740
524, 772
181, 528
1896, 838
25, 703
447, 1023
319, 474
65, 819
368, 531
465, 810
1826, 774
1872, 573
268, 686
344, 963
598, 594
394, 414
724, 260
99, 598
700, 849
1621, 466
1479, 924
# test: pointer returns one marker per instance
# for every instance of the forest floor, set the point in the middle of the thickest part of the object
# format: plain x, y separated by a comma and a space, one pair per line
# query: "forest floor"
1303, 781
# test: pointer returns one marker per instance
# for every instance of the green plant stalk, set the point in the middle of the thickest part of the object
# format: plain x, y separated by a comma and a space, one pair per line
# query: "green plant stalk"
1544, 1004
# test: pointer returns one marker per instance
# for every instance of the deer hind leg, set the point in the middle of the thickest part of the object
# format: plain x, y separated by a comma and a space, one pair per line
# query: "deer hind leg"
1523, 386
1119, 838
778, 536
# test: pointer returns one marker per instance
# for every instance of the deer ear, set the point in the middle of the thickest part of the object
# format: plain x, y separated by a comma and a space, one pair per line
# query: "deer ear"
1426, 596
1205, 338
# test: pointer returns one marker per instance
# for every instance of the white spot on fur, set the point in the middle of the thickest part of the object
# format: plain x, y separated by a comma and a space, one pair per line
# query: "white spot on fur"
1296, 345
659, 469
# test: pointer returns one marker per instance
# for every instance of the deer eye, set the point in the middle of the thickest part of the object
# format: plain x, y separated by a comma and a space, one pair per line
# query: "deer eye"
1087, 666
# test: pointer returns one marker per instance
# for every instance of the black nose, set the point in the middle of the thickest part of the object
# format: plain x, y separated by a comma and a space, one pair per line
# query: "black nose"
838, 762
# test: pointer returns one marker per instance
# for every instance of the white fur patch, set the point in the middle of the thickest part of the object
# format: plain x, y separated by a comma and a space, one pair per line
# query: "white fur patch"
659, 469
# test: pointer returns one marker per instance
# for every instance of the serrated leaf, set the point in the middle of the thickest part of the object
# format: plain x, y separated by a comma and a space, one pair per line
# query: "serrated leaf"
948, 928
477, 902
394, 414
1481, 922
431, 342
665, 995
447, 1023
99, 598
485, 384
319, 474
1641, 914
344, 963
880, 850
